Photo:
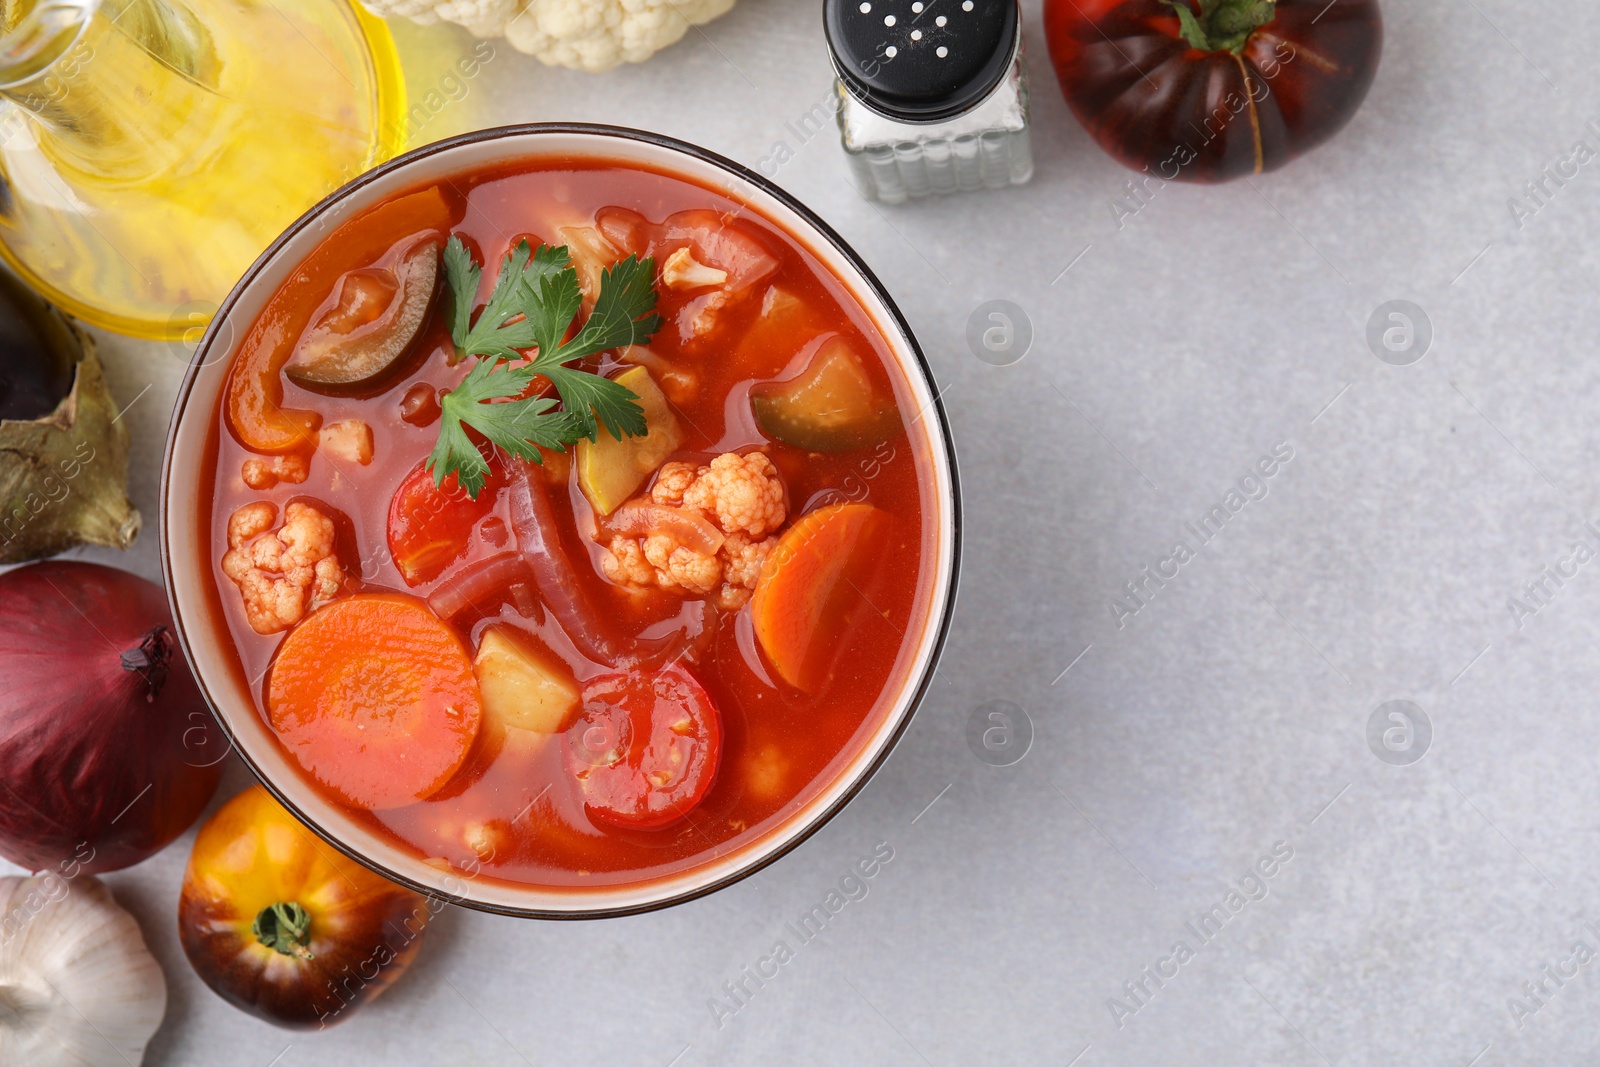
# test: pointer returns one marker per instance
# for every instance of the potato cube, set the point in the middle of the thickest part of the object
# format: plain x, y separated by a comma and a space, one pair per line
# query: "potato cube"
609, 470
523, 688
349, 441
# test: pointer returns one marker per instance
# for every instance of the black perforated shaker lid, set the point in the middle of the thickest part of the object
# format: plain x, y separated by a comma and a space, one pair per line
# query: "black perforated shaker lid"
921, 60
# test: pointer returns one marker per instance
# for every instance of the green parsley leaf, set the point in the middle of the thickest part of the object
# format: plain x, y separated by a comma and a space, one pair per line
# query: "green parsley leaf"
553, 300
536, 300
518, 426
623, 315
463, 276
592, 400
490, 335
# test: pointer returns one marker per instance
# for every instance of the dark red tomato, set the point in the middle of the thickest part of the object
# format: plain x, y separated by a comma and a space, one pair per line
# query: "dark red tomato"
646, 748
430, 526
1235, 87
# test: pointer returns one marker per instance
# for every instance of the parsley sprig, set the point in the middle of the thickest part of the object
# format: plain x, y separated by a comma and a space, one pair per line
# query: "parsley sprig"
520, 335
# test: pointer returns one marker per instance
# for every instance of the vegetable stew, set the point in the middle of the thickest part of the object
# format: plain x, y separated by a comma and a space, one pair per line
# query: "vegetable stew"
567, 514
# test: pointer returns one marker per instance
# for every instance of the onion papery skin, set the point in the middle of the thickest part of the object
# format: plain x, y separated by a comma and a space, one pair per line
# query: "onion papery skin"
101, 765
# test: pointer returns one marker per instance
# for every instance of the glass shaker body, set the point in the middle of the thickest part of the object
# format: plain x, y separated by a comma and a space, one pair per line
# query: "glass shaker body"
985, 147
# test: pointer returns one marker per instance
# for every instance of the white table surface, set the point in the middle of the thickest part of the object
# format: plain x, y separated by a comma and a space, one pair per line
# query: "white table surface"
1227, 715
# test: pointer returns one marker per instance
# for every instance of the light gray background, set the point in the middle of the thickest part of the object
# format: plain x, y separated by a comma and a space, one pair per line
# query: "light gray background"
1227, 715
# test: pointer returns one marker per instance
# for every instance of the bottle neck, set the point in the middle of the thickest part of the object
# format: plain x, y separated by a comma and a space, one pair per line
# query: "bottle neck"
35, 35
67, 66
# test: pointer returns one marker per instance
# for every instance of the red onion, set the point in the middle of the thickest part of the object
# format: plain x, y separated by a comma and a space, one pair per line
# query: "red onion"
717, 241
484, 581
540, 544
641, 518
107, 751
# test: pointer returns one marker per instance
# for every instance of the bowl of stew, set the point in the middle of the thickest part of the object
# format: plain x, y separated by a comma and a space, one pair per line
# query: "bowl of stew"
561, 520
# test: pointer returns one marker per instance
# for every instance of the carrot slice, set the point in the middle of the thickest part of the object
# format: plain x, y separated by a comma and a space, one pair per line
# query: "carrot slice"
813, 588
375, 696
254, 398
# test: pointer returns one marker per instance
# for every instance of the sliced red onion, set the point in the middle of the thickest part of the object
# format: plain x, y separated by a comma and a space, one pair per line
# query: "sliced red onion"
641, 518
540, 546
483, 581
717, 240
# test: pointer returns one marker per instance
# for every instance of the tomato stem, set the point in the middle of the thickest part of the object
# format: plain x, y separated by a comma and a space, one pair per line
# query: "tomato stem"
285, 928
1222, 25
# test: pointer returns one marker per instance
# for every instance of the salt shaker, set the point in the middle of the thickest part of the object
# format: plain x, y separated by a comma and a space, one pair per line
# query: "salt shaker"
932, 94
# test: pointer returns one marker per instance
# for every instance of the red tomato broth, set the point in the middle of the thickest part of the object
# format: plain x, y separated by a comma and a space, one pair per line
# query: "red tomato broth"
515, 801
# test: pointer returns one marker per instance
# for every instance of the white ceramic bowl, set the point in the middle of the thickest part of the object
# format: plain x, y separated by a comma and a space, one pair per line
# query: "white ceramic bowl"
186, 553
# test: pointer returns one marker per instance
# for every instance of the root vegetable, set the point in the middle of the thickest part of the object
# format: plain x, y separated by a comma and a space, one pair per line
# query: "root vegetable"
107, 752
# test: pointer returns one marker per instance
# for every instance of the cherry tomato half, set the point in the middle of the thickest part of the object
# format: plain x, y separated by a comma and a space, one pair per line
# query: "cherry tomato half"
430, 526
646, 748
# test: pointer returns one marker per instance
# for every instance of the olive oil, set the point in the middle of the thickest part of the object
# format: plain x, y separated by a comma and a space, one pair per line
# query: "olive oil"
151, 149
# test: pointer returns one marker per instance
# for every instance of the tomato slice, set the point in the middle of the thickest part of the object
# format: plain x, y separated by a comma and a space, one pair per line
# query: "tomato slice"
430, 526
646, 748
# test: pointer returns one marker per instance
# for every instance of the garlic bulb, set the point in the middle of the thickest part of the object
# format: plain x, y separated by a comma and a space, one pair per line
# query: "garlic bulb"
78, 988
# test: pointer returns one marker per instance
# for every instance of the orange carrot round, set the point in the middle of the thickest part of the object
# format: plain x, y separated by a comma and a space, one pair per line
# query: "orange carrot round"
812, 587
375, 696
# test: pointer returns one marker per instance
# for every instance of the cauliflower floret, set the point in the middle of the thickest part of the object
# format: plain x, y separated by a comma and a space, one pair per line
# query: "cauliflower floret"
745, 557
592, 35
247, 522
265, 472
349, 441
281, 575
671, 482
698, 318
742, 493
484, 18
742, 560
683, 271
660, 560
678, 566
597, 35
624, 563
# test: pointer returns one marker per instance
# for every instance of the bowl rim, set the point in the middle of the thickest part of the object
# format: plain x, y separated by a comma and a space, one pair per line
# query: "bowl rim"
916, 688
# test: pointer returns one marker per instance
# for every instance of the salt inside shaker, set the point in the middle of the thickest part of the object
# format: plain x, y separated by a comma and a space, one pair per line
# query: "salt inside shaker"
933, 97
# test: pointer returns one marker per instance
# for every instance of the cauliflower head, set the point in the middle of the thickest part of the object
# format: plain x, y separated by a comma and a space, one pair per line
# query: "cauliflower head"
484, 18
591, 35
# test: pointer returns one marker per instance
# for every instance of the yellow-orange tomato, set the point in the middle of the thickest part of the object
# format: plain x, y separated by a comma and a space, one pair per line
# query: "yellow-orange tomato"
284, 927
